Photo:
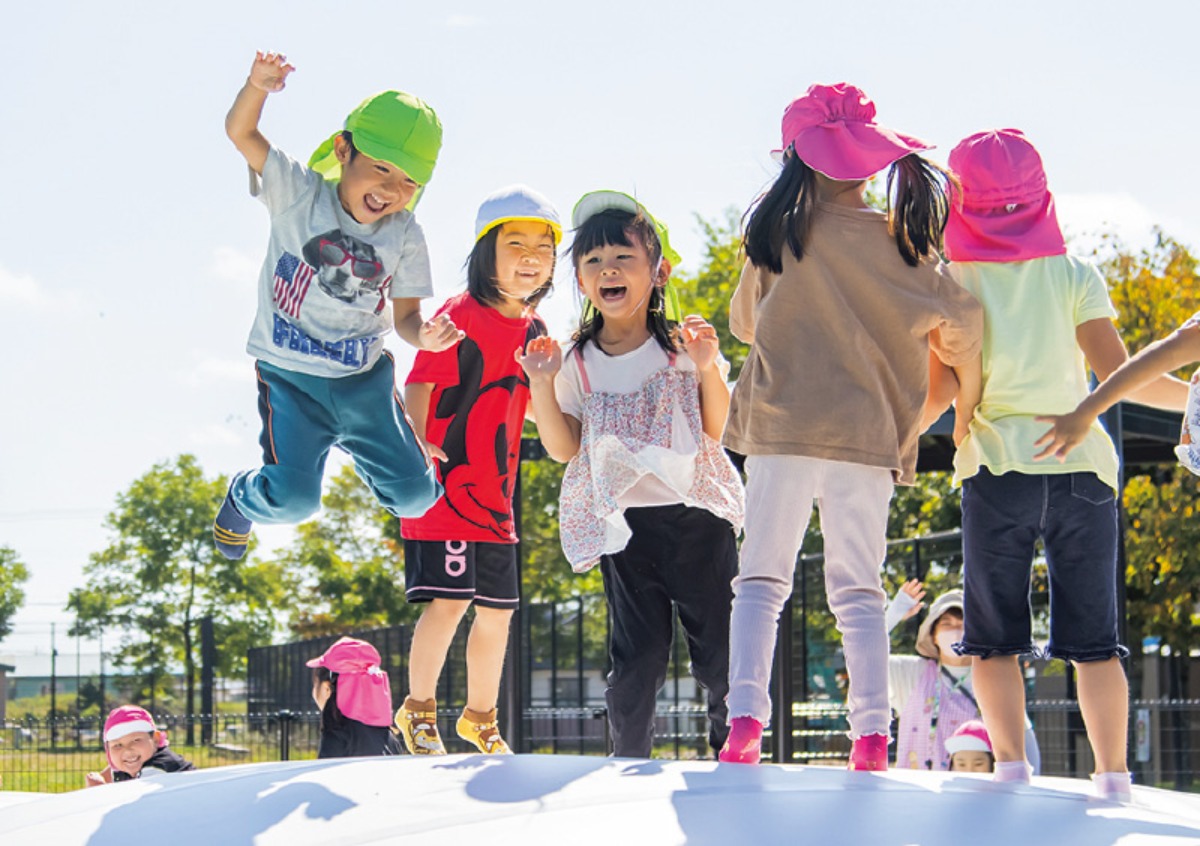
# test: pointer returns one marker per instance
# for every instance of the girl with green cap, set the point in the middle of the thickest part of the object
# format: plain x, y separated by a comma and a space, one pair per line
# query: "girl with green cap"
346, 263
636, 407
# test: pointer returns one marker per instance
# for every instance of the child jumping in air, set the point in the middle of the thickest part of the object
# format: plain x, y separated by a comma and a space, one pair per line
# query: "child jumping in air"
637, 406
354, 696
470, 404
842, 305
1047, 318
346, 262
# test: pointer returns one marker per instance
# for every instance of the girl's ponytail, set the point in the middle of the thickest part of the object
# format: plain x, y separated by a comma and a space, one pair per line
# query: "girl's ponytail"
783, 212
918, 207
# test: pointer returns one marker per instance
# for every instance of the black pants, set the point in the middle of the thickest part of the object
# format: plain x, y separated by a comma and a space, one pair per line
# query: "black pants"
681, 556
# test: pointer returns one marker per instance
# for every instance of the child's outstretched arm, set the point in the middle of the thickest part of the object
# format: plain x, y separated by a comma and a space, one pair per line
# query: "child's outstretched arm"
559, 431
416, 404
268, 74
704, 349
1143, 377
436, 334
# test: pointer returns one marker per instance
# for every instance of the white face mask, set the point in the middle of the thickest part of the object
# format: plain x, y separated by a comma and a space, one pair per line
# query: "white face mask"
946, 638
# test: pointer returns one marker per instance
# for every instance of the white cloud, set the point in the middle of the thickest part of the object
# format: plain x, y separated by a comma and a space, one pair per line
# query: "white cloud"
462, 21
24, 290
228, 263
1086, 218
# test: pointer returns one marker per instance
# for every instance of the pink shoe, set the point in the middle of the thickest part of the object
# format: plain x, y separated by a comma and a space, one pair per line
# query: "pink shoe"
744, 744
869, 753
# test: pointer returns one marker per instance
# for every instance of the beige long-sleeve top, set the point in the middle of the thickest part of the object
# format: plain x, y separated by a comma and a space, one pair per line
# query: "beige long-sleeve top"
839, 363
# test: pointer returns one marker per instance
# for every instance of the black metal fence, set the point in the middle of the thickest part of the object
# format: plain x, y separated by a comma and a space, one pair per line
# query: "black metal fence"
1164, 748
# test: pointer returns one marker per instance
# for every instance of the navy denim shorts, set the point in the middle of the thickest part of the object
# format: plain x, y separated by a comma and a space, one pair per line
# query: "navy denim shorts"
1075, 516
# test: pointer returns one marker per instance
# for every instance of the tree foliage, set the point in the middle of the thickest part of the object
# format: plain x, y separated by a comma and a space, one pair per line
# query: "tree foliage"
13, 574
348, 563
161, 574
1154, 291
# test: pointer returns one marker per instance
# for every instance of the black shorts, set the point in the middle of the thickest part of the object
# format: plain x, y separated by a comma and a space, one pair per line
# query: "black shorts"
474, 571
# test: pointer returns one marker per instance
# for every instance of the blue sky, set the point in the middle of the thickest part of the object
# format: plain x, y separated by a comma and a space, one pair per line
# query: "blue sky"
132, 247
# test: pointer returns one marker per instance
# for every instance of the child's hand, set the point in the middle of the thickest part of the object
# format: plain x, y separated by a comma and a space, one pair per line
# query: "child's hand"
916, 590
1066, 432
700, 341
435, 451
542, 358
270, 71
97, 779
439, 333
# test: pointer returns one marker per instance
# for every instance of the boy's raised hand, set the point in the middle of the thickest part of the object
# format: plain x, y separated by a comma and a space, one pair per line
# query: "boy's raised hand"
541, 359
439, 333
700, 341
270, 71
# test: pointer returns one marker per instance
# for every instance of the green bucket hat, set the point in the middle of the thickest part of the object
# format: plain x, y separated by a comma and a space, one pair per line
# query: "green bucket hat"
594, 202
394, 127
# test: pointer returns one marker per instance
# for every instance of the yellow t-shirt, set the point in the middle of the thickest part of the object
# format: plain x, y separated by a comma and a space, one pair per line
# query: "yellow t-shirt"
1032, 364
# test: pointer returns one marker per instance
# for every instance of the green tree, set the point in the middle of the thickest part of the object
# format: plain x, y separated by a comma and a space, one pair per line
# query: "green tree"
161, 574
708, 291
349, 564
1154, 291
13, 574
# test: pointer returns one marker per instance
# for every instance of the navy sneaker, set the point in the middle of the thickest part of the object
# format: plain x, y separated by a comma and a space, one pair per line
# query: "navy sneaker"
231, 531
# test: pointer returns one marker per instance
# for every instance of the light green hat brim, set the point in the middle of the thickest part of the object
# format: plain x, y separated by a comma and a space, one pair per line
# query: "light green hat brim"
392, 126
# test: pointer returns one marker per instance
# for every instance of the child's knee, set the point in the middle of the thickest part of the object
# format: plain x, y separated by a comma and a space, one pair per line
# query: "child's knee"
409, 497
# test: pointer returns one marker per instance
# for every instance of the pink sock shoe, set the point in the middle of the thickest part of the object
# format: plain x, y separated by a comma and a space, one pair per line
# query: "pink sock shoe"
869, 753
1012, 772
1115, 787
744, 744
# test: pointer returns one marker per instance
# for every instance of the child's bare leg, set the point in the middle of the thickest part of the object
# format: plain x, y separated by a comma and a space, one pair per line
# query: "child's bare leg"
1000, 691
486, 646
430, 643
1104, 702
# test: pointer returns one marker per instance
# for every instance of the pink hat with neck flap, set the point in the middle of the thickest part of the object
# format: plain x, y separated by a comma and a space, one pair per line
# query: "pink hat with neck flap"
832, 129
363, 690
1002, 209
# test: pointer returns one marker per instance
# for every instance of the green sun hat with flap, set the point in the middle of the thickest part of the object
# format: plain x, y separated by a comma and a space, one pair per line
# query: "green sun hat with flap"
392, 126
594, 202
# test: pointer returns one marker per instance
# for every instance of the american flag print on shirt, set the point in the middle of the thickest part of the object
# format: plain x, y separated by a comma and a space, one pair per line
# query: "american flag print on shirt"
291, 283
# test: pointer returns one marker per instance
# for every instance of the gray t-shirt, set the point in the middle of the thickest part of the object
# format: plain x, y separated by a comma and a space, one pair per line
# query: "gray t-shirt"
325, 286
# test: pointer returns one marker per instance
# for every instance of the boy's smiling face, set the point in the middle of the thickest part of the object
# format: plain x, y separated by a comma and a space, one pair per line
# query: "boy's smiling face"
371, 189
131, 752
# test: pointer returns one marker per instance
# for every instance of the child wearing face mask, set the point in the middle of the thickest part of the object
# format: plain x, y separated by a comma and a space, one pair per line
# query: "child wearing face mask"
931, 691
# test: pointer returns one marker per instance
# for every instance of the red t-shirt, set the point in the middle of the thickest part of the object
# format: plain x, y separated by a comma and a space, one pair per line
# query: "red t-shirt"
476, 413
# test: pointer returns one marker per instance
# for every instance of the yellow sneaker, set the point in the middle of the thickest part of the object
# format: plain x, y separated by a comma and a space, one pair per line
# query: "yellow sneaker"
479, 729
416, 721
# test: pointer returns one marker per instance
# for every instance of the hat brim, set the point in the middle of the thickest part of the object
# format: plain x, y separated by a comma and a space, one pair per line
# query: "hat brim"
1026, 232
554, 225
324, 161
966, 743
851, 150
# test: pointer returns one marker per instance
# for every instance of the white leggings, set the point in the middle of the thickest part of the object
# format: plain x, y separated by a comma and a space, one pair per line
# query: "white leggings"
853, 501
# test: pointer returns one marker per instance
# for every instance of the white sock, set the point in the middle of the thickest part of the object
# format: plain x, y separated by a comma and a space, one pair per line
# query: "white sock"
1116, 787
1011, 771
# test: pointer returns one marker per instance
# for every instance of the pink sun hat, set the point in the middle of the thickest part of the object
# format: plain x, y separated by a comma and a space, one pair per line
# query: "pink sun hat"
1002, 209
363, 690
971, 736
832, 129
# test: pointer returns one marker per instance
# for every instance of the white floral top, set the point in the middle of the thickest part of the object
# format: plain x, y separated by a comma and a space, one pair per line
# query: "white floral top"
654, 431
